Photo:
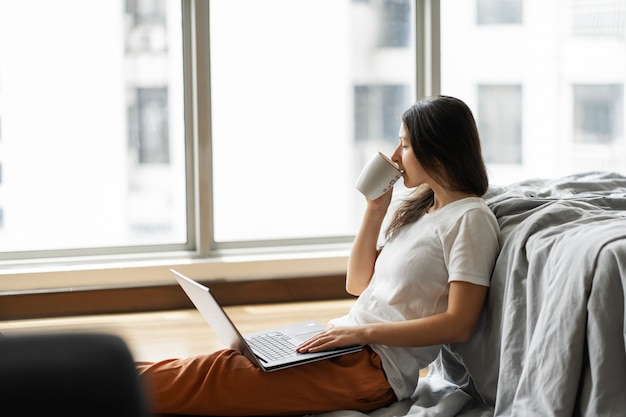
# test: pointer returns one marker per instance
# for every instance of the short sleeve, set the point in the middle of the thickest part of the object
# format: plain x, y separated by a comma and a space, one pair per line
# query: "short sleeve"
471, 247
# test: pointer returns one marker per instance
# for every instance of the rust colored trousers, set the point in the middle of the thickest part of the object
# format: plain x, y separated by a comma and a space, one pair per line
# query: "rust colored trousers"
226, 383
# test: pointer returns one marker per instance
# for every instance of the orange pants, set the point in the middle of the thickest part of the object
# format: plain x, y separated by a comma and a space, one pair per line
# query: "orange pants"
226, 383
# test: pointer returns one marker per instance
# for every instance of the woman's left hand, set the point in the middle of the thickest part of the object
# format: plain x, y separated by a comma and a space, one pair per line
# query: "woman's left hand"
332, 338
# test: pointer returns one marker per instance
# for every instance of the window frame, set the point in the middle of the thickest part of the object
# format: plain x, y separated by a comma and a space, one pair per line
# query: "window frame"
201, 257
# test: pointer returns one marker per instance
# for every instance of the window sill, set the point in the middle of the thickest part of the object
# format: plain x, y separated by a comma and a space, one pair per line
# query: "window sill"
153, 270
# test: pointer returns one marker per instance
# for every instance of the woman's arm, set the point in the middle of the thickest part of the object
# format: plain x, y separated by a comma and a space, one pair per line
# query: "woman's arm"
364, 249
465, 302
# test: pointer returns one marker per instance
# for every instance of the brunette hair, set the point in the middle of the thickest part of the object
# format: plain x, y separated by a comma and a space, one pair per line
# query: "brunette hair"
445, 140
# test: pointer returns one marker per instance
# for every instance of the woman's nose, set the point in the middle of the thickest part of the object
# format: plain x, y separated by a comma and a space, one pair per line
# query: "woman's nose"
395, 156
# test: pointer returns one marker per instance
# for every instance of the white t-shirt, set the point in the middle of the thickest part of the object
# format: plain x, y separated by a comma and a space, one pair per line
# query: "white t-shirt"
458, 242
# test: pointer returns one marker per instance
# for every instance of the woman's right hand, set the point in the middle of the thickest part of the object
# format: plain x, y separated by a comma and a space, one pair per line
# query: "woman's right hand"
381, 203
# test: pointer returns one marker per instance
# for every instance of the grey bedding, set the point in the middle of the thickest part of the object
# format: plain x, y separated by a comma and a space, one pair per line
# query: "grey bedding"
551, 340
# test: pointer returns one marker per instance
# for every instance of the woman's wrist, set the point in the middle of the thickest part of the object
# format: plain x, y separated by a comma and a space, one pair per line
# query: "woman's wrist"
375, 213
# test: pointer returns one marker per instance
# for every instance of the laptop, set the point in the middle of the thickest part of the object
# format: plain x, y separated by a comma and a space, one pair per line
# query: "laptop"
271, 349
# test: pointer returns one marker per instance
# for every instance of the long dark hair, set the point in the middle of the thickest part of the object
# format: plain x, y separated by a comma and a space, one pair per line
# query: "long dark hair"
445, 140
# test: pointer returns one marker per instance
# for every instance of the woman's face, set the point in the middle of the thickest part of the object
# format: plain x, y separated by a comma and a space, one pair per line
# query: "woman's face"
414, 175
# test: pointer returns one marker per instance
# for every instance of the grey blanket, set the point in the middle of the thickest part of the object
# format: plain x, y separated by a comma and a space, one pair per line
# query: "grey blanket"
551, 340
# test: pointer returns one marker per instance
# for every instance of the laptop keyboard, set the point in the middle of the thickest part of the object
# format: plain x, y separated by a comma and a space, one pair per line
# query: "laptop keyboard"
272, 345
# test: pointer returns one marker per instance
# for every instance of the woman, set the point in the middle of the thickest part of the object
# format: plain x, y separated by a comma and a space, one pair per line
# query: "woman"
425, 287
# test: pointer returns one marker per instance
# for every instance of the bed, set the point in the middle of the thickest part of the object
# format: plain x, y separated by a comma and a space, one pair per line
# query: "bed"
551, 338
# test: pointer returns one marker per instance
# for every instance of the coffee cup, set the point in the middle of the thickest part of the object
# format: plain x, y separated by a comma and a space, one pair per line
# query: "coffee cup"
378, 176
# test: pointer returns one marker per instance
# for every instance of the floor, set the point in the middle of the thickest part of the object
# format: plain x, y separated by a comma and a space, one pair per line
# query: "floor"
167, 334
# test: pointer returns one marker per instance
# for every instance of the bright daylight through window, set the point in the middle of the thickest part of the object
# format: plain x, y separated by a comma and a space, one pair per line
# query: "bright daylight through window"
99, 150
301, 98
545, 80
91, 112
95, 138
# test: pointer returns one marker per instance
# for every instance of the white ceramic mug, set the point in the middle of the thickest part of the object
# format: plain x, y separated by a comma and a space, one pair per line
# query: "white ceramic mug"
378, 176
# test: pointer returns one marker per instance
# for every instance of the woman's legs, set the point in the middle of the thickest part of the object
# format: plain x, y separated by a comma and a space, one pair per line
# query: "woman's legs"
225, 383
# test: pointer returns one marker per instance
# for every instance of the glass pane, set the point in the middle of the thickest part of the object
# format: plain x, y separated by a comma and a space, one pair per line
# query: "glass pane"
500, 124
547, 87
91, 124
303, 93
